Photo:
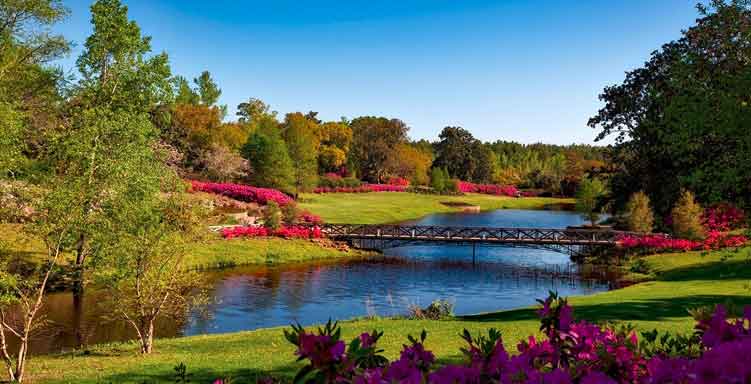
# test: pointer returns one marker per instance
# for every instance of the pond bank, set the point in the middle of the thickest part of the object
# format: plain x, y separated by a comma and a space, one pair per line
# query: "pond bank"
680, 281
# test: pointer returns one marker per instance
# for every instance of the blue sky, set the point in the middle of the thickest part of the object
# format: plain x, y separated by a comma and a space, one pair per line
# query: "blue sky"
527, 71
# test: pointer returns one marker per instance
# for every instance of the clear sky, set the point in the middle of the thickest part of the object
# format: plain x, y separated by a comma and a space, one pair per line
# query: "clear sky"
527, 71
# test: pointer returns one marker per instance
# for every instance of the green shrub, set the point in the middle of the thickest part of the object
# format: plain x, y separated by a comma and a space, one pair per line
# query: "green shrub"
588, 199
437, 310
290, 214
272, 216
687, 218
639, 216
639, 265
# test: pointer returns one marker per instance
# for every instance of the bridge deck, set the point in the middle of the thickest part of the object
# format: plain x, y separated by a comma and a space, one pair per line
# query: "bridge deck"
491, 235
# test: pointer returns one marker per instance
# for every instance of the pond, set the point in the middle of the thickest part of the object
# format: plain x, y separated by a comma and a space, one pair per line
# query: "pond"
387, 285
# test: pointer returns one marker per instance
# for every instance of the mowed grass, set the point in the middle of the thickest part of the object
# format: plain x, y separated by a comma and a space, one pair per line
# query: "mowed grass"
681, 281
393, 207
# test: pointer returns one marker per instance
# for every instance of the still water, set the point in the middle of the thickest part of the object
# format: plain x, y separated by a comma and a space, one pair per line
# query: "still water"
249, 298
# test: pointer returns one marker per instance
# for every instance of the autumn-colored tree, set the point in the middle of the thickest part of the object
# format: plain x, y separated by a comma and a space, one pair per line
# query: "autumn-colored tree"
194, 129
411, 163
639, 216
687, 217
232, 135
335, 141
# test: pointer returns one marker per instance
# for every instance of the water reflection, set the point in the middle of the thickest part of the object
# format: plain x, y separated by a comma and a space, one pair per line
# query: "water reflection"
249, 298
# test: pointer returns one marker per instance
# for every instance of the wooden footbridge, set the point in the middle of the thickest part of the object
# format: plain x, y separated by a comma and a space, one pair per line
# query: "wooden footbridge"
571, 241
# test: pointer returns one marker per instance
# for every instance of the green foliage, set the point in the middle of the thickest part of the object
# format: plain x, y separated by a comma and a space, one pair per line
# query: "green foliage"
114, 64
301, 136
686, 216
667, 344
11, 140
639, 265
290, 214
681, 120
208, 90
456, 152
436, 310
588, 199
373, 142
639, 216
272, 216
254, 110
439, 180
269, 160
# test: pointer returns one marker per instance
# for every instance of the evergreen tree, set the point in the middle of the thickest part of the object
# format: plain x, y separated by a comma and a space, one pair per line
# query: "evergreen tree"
269, 161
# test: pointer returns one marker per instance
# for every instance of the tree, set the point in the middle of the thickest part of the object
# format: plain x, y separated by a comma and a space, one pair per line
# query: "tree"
411, 163
221, 164
681, 120
439, 180
207, 89
456, 152
639, 216
146, 276
184, 94
486, 167
272, 216
114, 66
588, 199
269, 161
686, 216
301, 136
253, 110
373, 143
335, 142
194, 129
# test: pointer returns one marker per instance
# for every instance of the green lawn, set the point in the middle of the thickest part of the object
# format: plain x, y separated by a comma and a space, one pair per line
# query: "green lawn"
392, 207
681, 281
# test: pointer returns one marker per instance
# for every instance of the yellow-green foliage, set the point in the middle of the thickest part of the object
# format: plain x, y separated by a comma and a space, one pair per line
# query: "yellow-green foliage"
639, 214
686, 217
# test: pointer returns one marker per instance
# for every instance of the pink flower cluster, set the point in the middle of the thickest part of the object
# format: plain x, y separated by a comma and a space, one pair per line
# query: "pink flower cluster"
571, 352
398, 181
714, 240
365, 188
488, 189
241, 192
723, 217
292, 232
310, 218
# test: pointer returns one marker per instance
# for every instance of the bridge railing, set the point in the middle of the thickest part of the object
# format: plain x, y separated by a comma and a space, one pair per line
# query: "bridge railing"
476, 234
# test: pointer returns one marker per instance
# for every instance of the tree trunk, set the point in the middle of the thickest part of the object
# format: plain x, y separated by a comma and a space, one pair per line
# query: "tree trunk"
78, 316
147, 337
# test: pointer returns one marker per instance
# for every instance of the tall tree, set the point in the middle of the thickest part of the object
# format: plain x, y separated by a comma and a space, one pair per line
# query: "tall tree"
336, 140
184, 94
207, 89
269, 161
373, 142
588, 199
301, 134
455, 152
253, 110
681, 120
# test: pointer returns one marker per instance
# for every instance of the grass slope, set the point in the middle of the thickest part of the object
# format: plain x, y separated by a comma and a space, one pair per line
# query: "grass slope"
391, 207
682, 281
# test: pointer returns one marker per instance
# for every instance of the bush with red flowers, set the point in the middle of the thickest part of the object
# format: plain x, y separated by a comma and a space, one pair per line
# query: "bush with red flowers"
723, 217
714, 240
398, 181
488, 189
291, 232
241, 192
365, 188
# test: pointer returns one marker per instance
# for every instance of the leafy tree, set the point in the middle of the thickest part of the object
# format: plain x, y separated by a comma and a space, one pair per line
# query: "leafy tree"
681, 120
207, 89
335, 142
639, 216
486, 167
588, 199
411, 163
114, 66
455, 152
146, 276
373, 143
194, 129
686, 216
253, 110
269, 161
272, 216
440, 181
184, 94
290, 214
221, 164
301, 136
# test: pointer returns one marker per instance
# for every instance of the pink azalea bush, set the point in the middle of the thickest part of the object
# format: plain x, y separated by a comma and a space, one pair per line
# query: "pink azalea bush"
398, 181
290, 232
570, 352
723, 217
488, 189
241, 192
365, 188
714, 240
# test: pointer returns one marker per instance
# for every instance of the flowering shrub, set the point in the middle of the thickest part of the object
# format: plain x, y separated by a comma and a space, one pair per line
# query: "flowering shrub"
365, 188
398, 181
570, 352
723, 217
310, 218
714, 240
241, 192
292, 232
488, 189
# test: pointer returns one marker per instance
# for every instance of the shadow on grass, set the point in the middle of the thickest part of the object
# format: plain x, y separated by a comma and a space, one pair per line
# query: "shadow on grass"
643, 310
205, 375
719, 270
